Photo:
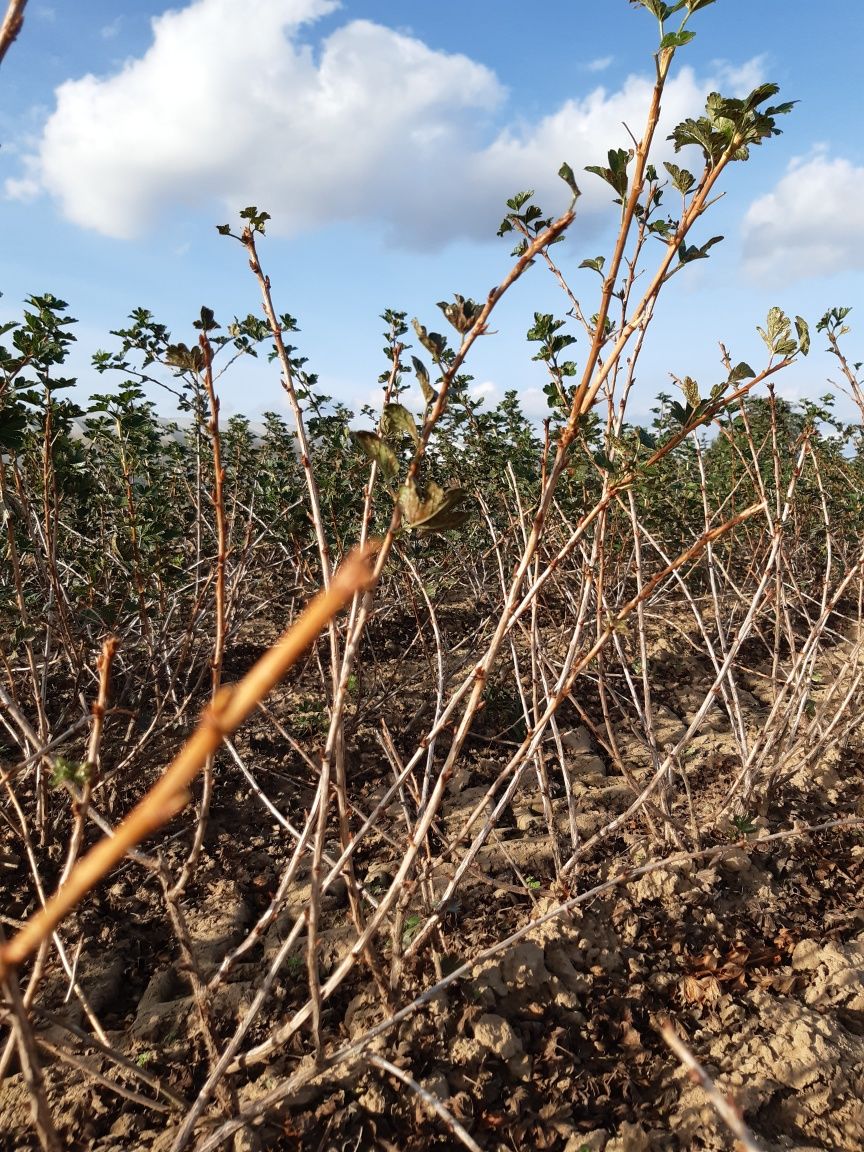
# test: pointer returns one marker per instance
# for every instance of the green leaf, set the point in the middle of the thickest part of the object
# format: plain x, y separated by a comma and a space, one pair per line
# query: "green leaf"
378, 450
833, 319
433, 342
566, 174
256, 219
186, 359
596, 264
462, 314
687, 253
691, 391
395, 419
439, 510
679, 412
520, 200
13, 425
803, 330
616, 174
68, 771
657, 8
740, 372
429, 393
681, 178
662, 228
603, 462
207, 321
777, 333
676, 39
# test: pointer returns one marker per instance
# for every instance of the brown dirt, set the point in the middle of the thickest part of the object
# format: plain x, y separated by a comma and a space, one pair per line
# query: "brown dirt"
756, 953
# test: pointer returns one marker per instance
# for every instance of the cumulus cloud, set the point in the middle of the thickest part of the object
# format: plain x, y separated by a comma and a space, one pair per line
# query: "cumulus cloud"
484, 389
232, 105
812, 224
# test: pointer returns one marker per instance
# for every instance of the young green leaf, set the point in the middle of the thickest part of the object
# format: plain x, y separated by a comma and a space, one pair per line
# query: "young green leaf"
777, 333
380, 451
186, 359
731, 126
681, 178
833, 320
687, 253
566, 174
740, 372
433, 342
691, 391
676, 39
616, 174
422, 373
397, 419
461, 314
803, 330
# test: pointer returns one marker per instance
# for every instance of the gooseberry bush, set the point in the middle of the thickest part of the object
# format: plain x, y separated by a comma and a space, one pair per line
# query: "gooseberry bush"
528, 582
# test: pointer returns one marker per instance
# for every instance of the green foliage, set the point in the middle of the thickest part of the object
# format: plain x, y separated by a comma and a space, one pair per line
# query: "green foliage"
377, 449
510, 552
68, 772
832, 321
616, 174
743, 824
108, 508
777, 333
462, 314
546, 331
681, 178
731, 126
527, 218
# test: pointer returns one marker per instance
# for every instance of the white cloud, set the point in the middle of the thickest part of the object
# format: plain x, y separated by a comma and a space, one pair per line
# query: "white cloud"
812, 224
740, 79
486, 391
111, 30
231, 106
600, 64
23, 187
582, 131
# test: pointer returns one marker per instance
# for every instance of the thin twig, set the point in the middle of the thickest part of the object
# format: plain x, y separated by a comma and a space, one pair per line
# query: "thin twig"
725, 1107
430, 1100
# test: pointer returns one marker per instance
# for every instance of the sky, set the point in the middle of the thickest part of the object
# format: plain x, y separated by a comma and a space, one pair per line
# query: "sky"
384, 139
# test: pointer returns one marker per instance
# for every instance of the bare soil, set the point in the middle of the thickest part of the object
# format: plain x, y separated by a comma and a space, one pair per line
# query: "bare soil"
755, 950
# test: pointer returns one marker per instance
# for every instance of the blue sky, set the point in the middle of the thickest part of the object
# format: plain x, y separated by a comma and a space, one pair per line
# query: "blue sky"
384, 139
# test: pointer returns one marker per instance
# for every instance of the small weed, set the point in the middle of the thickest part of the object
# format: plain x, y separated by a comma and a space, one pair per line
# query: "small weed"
409, 928
310, 718
743, 824
69, 772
